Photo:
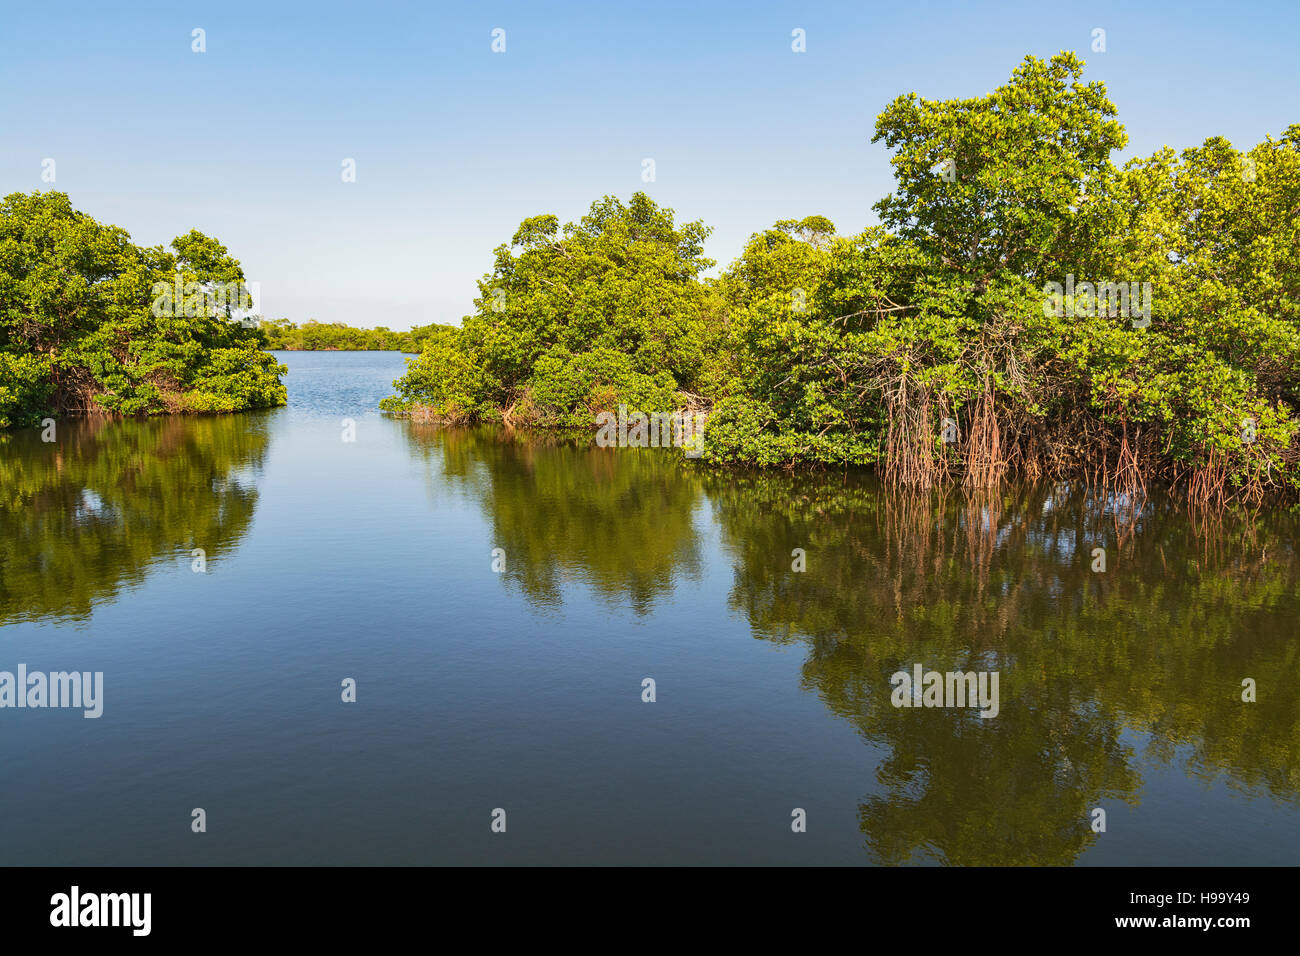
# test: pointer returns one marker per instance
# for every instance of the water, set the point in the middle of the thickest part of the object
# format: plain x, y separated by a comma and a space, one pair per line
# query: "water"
522, 690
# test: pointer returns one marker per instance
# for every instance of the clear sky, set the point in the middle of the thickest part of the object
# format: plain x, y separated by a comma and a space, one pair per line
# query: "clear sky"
455, 144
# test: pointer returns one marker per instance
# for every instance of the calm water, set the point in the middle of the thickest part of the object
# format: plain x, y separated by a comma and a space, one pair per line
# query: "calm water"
522, 690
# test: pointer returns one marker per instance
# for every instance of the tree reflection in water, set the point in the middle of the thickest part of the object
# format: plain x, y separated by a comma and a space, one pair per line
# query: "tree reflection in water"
85, 516
1152, 650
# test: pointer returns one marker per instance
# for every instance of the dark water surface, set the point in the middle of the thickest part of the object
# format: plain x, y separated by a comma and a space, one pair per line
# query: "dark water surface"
522, 690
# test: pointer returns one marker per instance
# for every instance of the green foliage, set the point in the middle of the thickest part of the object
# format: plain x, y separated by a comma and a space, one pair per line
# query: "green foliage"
579, 319
446, 378
90, 322
1021, 157
1216, 232
568, 390
952, 339
944, 312
25, 389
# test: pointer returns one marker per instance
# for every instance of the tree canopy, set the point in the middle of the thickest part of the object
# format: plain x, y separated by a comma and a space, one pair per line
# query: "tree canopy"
1025, 306
574, 321
91, 322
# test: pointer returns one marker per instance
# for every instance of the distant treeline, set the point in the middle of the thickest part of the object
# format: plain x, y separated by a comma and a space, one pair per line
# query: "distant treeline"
313, 336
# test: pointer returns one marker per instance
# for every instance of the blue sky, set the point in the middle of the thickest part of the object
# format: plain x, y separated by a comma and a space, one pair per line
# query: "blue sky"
455, 144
